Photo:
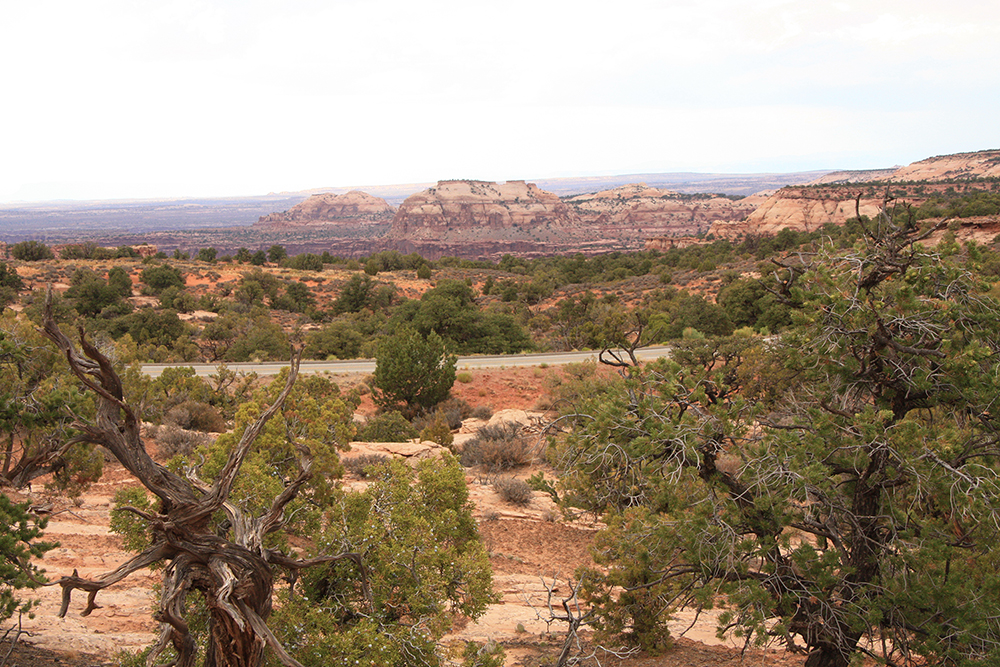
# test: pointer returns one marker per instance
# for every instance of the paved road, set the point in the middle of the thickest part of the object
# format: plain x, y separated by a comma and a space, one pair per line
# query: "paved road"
368, 365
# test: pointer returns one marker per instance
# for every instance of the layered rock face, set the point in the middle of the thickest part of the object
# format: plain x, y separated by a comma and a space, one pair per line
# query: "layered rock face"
981, 164
651, 211
831, 199
457, 208
802, 209
353, 207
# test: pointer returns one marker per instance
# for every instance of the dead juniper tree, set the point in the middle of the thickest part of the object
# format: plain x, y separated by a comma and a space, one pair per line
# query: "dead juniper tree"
232, 568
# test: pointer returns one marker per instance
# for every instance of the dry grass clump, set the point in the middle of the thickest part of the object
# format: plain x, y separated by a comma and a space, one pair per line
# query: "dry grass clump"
455, 410
360, 464
195, 416
483, 412
498, 447
512, 490
173, 440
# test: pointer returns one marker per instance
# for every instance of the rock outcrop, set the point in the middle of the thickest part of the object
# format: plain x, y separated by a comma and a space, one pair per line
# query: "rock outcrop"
354, 207
489, 219
855, 176
960, 166
802, 209
453, 208
651, 211
831, 198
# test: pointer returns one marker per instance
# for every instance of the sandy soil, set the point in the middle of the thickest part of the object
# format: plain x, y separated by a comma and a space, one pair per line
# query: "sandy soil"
531, 548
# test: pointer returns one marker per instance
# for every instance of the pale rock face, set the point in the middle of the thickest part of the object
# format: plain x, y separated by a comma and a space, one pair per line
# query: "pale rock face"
981, 164
800, 209
477, 212
831, 198
655, 211
324, 209
456, 206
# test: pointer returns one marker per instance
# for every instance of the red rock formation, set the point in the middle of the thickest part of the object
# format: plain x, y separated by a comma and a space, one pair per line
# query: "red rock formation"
802, 209
981, 164
806, 208
145, 249
324, 209
657, 212
663, 243
461, 208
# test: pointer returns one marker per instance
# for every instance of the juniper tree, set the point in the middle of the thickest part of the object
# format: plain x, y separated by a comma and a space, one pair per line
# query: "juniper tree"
837, 487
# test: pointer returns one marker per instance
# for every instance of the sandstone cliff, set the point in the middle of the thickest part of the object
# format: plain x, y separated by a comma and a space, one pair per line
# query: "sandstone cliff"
453, 209
855, 176
802, 209
354, 207
519, 217
981, 164
651, 211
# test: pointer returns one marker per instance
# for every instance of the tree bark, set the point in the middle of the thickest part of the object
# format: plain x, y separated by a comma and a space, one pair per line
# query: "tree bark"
234, 575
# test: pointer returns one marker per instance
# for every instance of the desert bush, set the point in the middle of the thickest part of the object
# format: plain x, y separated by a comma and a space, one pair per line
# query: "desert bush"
455, 410
196, 416
31, 251
388, 427
513, 490
174, 440
483, 412
437, 430
539, 483
412, 373
498, 447
465, 377
361, 464
159, 278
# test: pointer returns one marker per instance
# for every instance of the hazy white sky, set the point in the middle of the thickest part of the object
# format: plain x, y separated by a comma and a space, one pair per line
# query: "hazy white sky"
161, 98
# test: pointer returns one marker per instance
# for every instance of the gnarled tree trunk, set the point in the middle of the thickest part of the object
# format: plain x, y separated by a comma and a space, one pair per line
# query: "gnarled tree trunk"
235, 574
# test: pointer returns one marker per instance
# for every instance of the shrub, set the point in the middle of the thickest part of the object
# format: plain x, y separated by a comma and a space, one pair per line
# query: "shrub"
416, 535
465, 377
159, 278
174, 440
361, 465
20, 533
498, 447
437, 430
412, 372
455, 410
10, 278
483, 412
196, 416
387, 427
512, 490
31, 251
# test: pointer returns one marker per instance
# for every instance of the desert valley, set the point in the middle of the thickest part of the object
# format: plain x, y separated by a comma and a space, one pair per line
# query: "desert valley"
822, 436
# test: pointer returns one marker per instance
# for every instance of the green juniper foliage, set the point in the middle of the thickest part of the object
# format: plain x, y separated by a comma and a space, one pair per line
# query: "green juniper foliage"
838, 486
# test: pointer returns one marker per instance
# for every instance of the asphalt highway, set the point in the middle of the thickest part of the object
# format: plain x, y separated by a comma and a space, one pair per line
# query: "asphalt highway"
368, 365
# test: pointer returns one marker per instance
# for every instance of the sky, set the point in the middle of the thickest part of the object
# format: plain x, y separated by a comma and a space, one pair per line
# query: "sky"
110, 99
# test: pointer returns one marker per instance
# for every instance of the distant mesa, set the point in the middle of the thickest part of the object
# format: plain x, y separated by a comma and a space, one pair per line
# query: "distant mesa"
467, 205
802, 209
485, 220
981, 164
454, 207
657, 212
855, 176
839, 196
325, 209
